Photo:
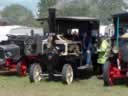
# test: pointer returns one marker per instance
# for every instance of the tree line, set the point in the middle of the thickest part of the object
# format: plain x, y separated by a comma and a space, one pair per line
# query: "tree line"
101, 9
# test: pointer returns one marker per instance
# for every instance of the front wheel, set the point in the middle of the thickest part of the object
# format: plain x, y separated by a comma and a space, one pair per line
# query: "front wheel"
67, 74
35, 72
108, 74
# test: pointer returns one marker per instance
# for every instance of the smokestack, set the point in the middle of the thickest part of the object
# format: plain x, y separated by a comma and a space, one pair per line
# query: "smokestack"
52, 20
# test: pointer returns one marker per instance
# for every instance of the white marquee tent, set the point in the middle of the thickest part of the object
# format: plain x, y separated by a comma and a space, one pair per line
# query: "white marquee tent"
18, 30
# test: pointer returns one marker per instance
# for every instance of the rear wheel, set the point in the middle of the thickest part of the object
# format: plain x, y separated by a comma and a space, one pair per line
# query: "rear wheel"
108, 72
21, 69
35, 72
67, 74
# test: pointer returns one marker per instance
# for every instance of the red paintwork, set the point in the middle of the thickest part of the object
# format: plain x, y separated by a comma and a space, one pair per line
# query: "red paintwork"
115, 73
10, 65
24, 64
33, 57
23, 68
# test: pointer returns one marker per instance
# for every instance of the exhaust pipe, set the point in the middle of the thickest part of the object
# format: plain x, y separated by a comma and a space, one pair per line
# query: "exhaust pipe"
52, 20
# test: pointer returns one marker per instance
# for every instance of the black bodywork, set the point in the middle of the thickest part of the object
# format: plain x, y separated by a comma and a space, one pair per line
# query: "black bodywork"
120, 30
123, 25
29, 45
61, 25
9, 51
19, 49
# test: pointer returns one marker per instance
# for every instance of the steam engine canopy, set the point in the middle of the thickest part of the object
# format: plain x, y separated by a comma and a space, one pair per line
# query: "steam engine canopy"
124, 49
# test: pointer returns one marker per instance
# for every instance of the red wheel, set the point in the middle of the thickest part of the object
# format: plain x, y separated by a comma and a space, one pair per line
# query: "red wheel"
21, 69
109, 73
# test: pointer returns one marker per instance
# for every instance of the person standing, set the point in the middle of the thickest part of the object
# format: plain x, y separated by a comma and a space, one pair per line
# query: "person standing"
87, 45
51, 57
103, 53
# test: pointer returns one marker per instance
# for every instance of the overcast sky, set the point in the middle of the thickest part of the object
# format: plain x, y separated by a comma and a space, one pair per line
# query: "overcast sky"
30, 4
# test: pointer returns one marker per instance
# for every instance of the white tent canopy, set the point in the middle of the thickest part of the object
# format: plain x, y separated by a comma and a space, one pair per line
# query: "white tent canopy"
4, 30
107, 30
18, 30
102, 30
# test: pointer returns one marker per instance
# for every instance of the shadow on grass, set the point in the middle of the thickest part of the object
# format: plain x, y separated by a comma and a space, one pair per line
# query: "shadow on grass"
81, 75
119, 82
122, 82
85, 75
8, 74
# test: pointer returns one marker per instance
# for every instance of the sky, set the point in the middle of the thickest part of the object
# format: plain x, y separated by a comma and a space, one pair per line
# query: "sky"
30, 4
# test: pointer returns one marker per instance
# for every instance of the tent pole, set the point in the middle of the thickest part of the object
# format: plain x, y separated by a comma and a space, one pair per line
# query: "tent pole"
117, 30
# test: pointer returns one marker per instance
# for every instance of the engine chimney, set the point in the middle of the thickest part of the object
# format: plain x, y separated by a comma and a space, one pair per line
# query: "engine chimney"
52, 20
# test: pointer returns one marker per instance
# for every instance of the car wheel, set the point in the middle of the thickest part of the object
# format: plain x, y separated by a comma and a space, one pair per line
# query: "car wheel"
35, 72
108, 73
67, 74
21, 69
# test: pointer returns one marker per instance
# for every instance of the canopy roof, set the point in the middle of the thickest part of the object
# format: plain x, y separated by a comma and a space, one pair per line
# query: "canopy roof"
71, 18
123, 16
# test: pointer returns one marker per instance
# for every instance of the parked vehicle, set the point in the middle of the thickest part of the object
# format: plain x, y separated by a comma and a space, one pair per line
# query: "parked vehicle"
116, 67
18, 52
65, 54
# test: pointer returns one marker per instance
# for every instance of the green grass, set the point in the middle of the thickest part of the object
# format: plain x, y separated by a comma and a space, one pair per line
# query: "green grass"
15, 86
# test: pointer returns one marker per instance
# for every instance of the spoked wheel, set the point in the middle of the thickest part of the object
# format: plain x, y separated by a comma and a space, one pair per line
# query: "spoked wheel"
21, 69
109, 71
67, 74
35, 72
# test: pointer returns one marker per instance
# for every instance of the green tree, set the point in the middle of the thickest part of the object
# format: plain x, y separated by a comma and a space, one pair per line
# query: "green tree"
18, 14
108, 7
43, 10
44, 5
101, 9
75, 8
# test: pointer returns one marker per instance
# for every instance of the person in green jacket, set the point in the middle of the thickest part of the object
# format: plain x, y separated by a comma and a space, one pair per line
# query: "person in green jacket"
103, 52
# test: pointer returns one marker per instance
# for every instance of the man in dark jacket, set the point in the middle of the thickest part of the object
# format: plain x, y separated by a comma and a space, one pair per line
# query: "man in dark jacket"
87, 45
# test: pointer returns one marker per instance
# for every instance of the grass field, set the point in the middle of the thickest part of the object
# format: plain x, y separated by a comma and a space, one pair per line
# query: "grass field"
15, 86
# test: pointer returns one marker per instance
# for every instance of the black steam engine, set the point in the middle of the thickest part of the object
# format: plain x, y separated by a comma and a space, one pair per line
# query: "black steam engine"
63, 54
18, 52
60, 53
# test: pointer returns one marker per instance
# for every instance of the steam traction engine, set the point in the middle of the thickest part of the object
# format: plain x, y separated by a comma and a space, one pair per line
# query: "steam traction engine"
65, 56
18, 52
116, 66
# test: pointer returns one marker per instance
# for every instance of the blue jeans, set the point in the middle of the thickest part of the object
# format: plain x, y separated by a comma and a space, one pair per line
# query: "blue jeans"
87, 56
